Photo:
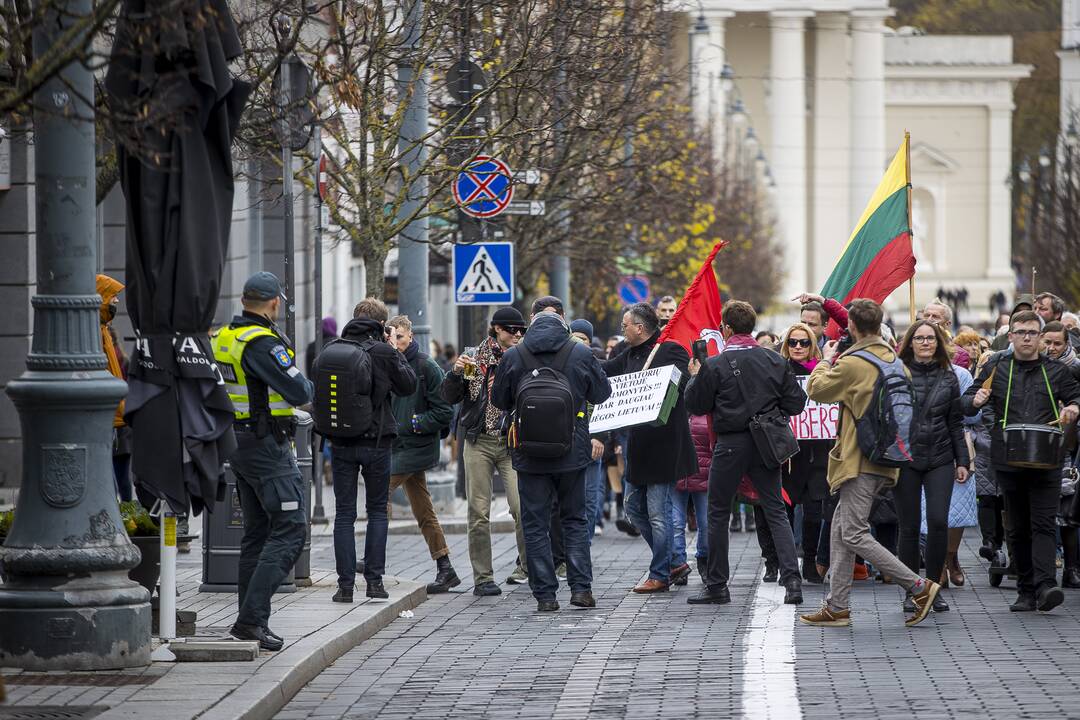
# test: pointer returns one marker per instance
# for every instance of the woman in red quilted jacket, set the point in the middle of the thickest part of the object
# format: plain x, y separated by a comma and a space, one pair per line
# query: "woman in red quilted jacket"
695, 489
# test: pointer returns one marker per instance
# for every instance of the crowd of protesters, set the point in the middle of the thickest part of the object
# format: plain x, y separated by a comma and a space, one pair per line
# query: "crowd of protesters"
989, 440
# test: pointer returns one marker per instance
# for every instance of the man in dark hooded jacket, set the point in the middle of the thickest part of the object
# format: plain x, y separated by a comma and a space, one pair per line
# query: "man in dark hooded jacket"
544, 480
370, 453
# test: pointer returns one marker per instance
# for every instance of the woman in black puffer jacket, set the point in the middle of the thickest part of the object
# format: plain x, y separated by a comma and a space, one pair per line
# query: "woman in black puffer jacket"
938, 449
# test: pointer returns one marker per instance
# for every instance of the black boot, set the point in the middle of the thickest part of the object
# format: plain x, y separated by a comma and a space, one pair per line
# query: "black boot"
793, 591
771, 572
445, 577
1070, 578
376, 590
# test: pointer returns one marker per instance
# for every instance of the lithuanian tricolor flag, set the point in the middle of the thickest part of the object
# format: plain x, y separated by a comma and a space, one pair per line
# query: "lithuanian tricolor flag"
878, 258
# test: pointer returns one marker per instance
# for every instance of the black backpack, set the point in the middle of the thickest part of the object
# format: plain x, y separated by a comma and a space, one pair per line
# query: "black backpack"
884, 431
544, 412
343, 379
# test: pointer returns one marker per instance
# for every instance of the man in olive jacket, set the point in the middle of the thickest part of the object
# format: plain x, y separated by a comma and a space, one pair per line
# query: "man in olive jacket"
421, 418
850, 380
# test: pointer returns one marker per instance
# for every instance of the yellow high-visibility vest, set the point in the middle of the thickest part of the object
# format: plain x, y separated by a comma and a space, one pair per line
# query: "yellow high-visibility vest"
229, 345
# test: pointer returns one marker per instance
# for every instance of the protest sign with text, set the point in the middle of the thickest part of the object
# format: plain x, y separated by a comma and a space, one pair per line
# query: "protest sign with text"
638, 398
817, 421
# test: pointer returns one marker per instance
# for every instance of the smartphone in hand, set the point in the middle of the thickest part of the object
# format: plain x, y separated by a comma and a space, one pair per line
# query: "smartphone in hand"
701, 350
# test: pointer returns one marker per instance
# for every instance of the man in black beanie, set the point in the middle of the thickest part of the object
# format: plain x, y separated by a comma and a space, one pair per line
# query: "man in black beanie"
469, 382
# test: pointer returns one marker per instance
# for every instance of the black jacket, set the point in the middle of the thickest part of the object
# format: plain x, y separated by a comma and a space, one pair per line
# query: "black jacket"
804, 475
768, 385
665, 453
588, 384
390, 374
454, 390
938, 434
1029, 402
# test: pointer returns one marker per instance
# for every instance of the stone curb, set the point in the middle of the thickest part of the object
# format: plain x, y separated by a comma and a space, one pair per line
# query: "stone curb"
276, 682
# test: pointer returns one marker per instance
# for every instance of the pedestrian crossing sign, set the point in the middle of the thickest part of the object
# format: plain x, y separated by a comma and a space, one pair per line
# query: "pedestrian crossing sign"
484, 274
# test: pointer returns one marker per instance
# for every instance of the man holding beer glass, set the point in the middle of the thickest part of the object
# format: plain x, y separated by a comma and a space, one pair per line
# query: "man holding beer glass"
485, 450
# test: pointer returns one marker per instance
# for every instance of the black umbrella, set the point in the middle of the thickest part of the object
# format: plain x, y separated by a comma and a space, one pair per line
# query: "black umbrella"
176, 110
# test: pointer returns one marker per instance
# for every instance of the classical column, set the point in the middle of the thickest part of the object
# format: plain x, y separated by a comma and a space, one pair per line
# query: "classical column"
868, 146
707, 58
697, 55
831, 172
999, 149
787, 112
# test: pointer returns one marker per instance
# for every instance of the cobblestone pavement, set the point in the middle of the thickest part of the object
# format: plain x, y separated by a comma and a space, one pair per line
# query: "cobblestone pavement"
635, 656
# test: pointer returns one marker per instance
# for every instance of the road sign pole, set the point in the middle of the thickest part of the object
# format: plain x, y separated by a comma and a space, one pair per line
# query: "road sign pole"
287, 201
413, 243
560, 262
318, 512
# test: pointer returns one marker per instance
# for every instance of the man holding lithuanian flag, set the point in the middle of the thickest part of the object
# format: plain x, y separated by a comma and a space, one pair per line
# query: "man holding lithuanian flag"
878, 257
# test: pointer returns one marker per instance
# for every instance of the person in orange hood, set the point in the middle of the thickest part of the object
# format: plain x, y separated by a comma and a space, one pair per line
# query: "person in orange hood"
109, 289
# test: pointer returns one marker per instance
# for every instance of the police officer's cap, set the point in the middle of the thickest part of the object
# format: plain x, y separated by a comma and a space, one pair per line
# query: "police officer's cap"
263, 286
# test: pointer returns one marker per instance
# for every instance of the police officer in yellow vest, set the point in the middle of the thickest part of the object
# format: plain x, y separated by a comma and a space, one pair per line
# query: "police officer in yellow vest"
257, 362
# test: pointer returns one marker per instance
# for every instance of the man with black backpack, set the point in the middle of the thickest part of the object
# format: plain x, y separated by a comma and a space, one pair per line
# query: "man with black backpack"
547, 381
354, 377
874, 390
422, 418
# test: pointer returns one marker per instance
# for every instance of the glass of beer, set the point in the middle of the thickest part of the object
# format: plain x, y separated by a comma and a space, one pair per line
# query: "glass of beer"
468, 355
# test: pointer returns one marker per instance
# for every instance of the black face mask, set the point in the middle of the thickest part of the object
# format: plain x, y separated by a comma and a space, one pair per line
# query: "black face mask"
663, 323
108, 313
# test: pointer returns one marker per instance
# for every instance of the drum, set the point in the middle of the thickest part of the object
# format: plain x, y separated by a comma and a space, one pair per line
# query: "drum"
1033, 446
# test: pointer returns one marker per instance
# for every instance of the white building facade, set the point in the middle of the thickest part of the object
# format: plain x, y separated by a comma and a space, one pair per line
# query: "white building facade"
829, 91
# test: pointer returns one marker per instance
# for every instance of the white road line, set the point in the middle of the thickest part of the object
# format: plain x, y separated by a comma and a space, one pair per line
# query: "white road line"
769, 691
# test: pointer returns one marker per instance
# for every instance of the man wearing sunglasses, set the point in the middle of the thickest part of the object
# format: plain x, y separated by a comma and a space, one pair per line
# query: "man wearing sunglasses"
485, 449
1027, 388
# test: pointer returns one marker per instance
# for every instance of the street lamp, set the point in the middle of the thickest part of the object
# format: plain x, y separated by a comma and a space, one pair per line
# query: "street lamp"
66, 602
727, 78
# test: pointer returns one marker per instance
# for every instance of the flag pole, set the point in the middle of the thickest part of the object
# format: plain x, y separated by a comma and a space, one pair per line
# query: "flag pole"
911, 231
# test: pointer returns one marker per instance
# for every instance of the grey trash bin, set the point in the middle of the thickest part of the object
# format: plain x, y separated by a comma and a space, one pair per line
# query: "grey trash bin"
223, 529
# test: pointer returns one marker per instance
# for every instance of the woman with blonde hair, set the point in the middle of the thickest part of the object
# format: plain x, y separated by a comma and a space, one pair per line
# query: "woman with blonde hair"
804, 477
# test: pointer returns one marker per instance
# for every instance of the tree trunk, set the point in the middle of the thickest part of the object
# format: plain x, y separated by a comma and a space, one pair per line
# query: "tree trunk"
374, 273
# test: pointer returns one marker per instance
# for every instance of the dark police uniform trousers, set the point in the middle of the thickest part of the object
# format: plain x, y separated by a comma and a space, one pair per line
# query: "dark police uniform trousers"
272, 498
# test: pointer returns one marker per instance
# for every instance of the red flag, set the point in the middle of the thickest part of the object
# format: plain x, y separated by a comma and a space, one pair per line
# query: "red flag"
698, 315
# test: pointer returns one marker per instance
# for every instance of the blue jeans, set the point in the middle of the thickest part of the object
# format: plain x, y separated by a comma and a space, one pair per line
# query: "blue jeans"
538, 491
348, 462
649, 509
679, 499
595, 487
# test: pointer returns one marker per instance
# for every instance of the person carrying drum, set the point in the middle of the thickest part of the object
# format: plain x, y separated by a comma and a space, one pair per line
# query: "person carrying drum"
1032, 398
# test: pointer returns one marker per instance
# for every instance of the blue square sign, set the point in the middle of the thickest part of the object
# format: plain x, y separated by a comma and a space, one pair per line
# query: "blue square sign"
484, 274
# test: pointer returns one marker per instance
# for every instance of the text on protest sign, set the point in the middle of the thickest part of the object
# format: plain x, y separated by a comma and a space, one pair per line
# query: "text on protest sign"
817, 421
636, 399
